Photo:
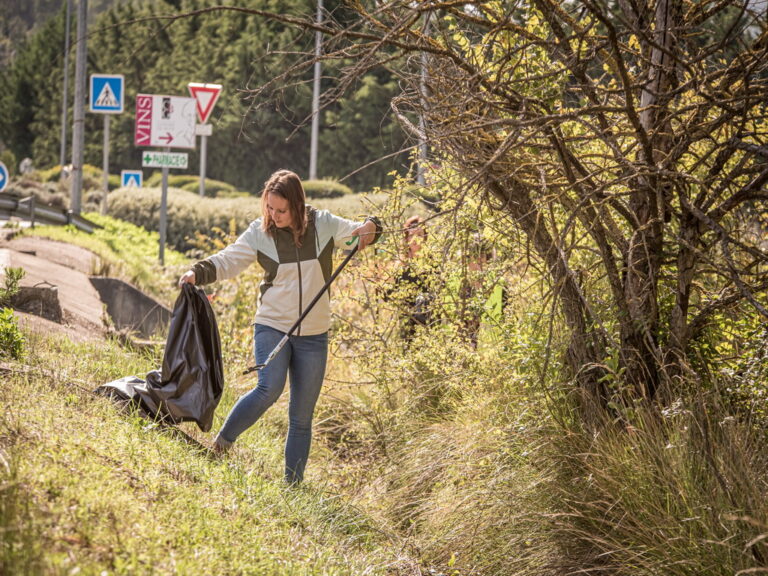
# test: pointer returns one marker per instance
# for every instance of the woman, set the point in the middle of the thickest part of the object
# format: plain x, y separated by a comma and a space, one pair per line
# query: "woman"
294, 244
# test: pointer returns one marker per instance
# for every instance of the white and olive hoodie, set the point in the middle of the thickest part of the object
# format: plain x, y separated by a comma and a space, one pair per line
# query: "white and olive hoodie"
293, 274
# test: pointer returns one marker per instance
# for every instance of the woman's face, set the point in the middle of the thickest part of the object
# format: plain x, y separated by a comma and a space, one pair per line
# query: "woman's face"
279, 211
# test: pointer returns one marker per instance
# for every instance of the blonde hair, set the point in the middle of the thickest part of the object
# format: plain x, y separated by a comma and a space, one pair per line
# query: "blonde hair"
287, 185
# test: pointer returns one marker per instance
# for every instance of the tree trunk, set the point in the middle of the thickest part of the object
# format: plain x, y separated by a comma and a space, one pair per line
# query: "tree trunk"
586, 350
650, 202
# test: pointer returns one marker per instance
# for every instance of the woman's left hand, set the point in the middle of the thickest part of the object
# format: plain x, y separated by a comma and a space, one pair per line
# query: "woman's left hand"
365, 233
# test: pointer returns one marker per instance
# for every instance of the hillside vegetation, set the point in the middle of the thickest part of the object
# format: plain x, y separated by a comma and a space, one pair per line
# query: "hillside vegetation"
431, 456
587, 392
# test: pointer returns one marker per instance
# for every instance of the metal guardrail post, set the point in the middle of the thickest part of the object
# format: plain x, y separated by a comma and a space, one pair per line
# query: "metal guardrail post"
30, 203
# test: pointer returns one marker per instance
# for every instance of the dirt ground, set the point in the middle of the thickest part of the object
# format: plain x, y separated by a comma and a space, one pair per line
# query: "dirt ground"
65, 267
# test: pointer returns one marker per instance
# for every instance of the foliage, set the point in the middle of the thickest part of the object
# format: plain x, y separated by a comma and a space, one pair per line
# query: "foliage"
466, 459
225, 45
625, 155
89, 487
676, 494
12, 278
615, 186
11, 338
191, 183
190, 215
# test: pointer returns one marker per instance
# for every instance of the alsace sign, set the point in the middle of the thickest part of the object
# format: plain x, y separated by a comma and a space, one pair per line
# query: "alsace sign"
165, 121
164, 159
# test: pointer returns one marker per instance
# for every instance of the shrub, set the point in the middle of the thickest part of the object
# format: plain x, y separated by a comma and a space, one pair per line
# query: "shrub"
11, 339
12, 278
9, 159
191, 183
188, 213
325, 189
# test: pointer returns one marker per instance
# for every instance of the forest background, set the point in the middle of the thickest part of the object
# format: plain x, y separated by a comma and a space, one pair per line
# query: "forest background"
232, 49
590, 394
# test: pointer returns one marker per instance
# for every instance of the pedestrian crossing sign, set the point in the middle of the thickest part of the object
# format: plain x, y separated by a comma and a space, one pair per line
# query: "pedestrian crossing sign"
131, 178
107, 93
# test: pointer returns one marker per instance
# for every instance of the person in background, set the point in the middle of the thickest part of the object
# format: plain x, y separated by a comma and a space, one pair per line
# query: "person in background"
411, 283
294, 244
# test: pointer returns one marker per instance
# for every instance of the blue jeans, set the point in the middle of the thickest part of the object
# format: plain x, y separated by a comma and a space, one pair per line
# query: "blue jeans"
304, 358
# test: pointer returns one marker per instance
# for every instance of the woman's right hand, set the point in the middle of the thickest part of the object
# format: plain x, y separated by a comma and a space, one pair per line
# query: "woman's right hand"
187, 278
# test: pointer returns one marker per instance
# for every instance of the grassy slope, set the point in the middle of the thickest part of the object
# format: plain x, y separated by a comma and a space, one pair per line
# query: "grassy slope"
461, 459
86, 486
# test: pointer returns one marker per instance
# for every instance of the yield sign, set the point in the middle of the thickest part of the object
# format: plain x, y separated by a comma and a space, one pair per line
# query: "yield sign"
206, 96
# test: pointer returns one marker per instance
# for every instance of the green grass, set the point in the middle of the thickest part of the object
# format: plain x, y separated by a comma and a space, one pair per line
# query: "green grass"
90, 489
431, 458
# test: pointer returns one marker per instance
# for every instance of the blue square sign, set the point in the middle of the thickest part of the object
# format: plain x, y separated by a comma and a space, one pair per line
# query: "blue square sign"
131, 178
107, 93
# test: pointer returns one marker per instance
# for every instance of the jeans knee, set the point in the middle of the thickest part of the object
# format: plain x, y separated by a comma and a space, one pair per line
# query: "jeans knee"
300, 426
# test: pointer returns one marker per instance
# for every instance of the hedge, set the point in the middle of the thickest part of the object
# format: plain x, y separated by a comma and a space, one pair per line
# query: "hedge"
188, 213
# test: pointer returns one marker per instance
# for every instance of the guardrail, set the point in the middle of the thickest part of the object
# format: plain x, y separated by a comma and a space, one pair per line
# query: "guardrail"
27, 208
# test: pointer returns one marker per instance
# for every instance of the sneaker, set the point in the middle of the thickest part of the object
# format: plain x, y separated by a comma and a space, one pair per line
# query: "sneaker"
220, 446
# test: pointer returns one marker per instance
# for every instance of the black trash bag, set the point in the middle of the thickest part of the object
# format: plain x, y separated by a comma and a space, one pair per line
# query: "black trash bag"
191, 381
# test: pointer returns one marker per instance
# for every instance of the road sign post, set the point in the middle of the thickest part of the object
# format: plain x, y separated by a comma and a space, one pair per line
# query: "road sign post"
105, 164
107, 97
205, 96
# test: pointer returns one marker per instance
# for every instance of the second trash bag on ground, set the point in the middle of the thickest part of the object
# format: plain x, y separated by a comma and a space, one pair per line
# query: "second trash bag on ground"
189, 385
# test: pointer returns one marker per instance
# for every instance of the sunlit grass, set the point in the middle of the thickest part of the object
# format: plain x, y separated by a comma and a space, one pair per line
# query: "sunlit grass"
428, 458
88, 488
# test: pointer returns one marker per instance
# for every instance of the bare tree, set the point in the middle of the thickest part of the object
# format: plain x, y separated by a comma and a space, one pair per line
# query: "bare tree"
625, 139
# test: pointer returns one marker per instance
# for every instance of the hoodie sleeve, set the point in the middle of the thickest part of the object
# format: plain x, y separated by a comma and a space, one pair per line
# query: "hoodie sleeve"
230, 261
340, 229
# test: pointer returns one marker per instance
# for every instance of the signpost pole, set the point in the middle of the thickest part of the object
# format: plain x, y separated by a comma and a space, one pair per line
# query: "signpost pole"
105, 166
163, 212
78, 121
107, 97
203, 156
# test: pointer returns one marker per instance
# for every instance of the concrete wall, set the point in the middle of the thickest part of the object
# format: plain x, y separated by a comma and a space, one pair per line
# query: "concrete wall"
130, 308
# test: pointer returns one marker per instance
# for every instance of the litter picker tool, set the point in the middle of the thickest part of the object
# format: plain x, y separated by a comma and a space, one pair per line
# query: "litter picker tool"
306, 311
